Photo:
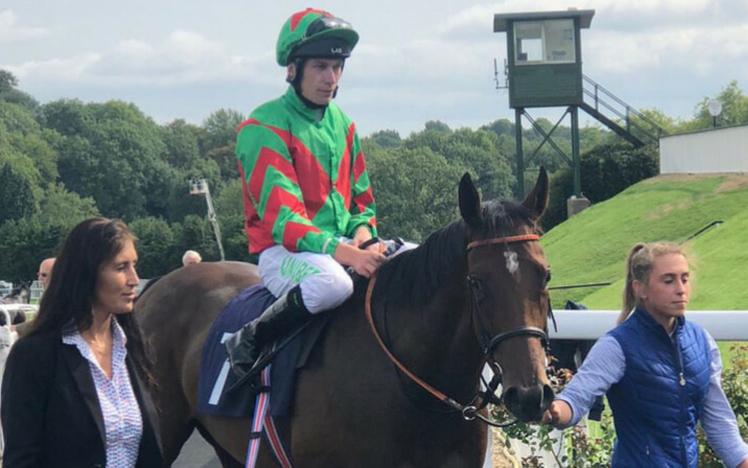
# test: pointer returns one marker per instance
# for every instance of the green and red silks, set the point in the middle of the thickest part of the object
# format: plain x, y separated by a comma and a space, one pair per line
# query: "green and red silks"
304, 177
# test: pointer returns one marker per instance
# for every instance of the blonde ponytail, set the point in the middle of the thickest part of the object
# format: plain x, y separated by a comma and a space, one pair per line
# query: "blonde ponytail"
629, 298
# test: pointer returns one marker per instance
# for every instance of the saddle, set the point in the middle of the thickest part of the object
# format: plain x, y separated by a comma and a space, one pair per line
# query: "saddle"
216, 377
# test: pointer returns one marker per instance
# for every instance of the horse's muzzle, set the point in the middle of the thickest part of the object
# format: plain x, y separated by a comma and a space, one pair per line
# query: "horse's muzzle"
528, 403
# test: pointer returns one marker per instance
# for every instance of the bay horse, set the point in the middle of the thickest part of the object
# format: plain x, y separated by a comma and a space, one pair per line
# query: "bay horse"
474, 290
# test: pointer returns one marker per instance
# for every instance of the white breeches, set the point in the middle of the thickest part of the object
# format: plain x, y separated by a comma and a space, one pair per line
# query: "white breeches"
325, 284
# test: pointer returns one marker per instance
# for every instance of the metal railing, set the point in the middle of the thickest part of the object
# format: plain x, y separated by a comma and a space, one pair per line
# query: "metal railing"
606, 103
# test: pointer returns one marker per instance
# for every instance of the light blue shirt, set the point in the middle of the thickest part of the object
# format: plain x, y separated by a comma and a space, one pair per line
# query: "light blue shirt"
605, 365
123, 422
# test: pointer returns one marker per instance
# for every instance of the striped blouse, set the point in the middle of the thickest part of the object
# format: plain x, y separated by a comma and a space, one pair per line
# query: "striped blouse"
123, 422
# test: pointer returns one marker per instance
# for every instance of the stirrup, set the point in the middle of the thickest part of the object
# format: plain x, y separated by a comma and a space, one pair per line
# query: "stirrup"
266, 356
253, 372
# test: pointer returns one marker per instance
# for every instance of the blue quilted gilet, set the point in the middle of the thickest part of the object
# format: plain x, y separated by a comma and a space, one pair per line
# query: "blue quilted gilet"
657, 402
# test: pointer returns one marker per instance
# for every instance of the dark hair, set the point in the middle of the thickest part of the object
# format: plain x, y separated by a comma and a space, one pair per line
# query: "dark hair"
67, 303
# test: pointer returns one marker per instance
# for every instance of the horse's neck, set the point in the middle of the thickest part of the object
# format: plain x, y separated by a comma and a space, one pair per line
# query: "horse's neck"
436, 338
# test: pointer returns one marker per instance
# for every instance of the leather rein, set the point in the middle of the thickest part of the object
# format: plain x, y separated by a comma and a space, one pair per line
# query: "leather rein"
470, 411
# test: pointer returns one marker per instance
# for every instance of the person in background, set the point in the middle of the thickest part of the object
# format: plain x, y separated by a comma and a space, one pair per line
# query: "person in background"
45, 271
308, 200
75, 388
191, 257
660, 371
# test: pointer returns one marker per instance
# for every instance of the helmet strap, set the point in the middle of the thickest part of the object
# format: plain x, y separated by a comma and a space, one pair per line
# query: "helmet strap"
295, 81
298, 67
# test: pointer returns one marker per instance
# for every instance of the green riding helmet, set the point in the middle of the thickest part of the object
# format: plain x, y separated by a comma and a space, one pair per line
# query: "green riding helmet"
314, 33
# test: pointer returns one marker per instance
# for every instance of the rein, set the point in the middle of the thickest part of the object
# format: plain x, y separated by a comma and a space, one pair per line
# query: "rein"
471, 411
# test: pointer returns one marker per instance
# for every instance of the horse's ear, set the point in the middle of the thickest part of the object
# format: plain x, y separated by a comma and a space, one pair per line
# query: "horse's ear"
537, 200
469, 201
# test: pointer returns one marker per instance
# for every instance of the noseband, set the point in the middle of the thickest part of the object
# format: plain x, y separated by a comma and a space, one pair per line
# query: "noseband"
471, 410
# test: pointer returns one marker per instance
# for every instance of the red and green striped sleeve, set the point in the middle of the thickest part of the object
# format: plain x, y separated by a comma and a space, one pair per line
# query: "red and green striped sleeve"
273, 188
363, 208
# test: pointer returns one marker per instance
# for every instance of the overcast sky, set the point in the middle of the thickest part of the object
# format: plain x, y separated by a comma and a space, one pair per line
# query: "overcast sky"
417, 60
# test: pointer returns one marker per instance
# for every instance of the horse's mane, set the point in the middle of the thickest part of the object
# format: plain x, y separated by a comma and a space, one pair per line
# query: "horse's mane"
414, 276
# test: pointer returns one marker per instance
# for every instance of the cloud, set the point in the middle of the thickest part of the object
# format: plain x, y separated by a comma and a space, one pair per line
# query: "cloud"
625, 37
702, 49
67, 69
182, 58
630, 15
10, 31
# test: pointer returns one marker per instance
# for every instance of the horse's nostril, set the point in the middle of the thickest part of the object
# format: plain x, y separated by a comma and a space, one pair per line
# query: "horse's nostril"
528, 403
511, 396
548, 396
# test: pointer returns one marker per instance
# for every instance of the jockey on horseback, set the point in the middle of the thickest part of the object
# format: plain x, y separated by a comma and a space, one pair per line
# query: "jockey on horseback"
307, 196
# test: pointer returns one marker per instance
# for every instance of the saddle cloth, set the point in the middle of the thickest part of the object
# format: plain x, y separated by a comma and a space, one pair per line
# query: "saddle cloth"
215, 374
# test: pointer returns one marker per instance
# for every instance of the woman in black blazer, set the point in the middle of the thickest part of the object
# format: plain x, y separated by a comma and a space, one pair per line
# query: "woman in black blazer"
75, 391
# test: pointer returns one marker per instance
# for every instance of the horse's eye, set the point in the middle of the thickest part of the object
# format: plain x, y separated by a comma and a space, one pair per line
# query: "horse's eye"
476, 286
547, 277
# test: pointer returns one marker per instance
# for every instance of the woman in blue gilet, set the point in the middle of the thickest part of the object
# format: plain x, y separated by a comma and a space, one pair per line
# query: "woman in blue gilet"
660, 372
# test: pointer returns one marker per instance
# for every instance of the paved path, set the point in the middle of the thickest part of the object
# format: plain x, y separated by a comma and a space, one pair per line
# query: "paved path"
196, 453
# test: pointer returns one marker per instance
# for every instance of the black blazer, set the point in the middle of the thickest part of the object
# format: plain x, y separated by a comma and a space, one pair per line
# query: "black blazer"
51, 414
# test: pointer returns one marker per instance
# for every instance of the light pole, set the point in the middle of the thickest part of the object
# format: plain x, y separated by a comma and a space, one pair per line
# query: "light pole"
200, 187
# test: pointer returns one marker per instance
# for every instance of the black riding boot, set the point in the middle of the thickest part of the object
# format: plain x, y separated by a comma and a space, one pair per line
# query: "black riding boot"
281, 317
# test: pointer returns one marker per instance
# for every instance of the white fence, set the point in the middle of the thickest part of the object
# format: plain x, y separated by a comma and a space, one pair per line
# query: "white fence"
723, 325
714, 150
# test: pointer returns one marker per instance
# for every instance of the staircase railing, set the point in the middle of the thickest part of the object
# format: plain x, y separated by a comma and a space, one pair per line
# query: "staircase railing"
614, 110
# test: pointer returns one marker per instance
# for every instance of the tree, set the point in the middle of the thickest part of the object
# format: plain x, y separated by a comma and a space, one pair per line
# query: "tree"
59, 206
500, 127
219, 141
23, 243
69, 117
230, 211
415, 191
24, 145
734, 109
9, 93
16, 194
182, 143
196, 233
8, 81
26, 241
225, 159
220, 128
386, 138
157, 251
180, 202
478, 151
113, 153
436, 126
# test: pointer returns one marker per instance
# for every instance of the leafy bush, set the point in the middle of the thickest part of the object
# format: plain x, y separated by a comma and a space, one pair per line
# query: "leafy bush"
606, 170
594, 447
579, 448
735, 385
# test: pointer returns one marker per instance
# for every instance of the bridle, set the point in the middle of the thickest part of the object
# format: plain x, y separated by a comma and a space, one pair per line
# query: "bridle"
476, 287
470, 411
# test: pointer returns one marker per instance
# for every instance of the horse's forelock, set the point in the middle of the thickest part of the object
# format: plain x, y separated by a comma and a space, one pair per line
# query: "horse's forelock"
503, 217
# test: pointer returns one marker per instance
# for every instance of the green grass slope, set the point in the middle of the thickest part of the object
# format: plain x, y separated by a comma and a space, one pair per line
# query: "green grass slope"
592, 246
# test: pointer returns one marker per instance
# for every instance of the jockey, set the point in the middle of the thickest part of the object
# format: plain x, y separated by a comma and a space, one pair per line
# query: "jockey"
307, 197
